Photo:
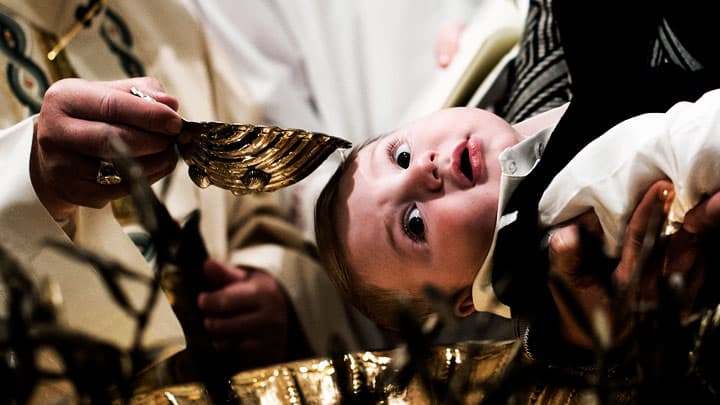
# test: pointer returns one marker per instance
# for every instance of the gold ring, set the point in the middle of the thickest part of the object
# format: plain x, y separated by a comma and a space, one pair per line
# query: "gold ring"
107, 174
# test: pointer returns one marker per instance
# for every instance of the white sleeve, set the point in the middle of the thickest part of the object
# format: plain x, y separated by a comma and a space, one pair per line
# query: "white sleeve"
25, 224
612, 173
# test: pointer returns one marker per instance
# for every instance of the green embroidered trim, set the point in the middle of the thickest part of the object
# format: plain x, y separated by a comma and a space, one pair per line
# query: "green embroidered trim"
12, 45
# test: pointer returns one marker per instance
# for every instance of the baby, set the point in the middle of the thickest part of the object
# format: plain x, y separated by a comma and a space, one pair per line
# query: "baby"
421, 205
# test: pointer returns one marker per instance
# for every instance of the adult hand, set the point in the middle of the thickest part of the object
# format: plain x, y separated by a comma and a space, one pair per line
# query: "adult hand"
447, 42
246, 312
588, 280
72, 133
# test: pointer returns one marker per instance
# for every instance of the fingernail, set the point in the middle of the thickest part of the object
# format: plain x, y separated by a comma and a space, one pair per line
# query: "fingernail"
174, 126
667, 194
667, 197
443, 59
564, 237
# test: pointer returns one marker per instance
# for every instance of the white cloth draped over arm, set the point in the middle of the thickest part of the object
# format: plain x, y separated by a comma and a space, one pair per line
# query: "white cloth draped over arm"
25, 226
611, 174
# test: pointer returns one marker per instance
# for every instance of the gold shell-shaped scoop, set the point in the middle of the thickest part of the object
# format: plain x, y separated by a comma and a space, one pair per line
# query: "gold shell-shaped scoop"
246, 158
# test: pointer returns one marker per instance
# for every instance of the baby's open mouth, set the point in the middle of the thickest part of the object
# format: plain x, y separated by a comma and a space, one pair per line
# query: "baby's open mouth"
465, 166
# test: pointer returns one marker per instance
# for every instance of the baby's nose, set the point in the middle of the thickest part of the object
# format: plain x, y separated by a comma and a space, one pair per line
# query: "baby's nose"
425, 173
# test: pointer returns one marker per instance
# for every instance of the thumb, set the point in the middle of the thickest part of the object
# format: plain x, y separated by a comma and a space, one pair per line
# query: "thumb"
565, 251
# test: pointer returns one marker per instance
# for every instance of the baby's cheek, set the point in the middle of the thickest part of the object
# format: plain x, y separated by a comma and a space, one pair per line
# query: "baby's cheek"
463, 247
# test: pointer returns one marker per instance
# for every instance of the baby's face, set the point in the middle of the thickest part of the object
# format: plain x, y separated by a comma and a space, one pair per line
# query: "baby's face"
421, 202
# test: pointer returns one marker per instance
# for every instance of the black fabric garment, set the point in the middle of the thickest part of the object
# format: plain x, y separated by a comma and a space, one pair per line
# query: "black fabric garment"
538, 76
608, 47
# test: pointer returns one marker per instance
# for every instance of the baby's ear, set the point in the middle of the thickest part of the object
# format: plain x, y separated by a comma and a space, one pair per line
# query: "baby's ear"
463, 305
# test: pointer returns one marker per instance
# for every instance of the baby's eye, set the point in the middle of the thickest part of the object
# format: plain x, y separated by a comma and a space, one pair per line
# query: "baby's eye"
414, 225
402, 156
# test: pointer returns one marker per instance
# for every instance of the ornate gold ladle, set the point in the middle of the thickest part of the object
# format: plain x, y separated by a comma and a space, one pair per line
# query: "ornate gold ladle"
246, 158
